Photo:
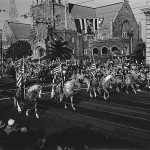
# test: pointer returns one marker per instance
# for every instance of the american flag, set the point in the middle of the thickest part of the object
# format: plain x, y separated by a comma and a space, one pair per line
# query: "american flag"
57, 69
19, 77
93, 69
93, 66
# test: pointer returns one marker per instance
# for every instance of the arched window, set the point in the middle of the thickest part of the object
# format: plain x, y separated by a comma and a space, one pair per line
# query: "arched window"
104, 51
125, 29
114, 49
95, 51
41, 52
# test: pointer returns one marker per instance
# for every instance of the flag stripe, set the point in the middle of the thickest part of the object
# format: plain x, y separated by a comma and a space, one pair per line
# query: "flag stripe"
19, 77
78, 26
57, 69
85, 25
93, 66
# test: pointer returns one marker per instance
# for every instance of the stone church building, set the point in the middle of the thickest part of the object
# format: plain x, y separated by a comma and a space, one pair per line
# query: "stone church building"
118, 33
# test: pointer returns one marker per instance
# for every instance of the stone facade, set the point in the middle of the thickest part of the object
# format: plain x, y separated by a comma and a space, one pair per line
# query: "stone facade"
146, 11
42, 14
111, 36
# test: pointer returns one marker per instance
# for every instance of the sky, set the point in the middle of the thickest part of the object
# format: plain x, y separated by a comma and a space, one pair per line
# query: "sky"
23, 6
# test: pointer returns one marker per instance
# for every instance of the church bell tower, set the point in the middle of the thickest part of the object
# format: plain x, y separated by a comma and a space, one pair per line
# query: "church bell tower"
13, 15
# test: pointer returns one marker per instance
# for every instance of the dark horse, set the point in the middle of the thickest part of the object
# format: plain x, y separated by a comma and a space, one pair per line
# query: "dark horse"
31, 96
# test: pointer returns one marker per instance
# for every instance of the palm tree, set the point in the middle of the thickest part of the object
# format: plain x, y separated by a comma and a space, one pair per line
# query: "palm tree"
59, 50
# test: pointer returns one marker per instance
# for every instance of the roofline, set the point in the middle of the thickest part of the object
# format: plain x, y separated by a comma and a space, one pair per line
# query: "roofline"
18, 23
108, 5
82, 5
97, 7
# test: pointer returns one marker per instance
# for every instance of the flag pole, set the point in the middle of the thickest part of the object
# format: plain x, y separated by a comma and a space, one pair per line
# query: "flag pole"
23, 80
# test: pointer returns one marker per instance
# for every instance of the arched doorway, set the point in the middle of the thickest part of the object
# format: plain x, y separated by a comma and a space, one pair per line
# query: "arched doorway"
40, 51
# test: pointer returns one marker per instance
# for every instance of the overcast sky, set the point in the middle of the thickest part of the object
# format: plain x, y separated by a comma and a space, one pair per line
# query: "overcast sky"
23, 6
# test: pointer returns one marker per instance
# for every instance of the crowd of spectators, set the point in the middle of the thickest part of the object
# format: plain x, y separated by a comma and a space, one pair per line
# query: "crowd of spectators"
14, 136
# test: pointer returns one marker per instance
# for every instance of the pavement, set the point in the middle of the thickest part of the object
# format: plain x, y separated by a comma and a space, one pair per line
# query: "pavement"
58, 130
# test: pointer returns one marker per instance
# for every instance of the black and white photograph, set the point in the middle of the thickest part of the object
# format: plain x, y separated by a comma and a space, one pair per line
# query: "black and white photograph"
74, 75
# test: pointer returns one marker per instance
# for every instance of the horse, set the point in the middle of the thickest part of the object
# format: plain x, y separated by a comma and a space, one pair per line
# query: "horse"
129, 81
68, 91
105, 84
31, 95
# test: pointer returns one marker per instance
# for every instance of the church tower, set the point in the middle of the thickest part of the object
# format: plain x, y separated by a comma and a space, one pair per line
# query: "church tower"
13, 15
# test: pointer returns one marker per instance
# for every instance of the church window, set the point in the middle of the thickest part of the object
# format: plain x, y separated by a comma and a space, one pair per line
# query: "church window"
104, 51
125, 29
41, 52
114, 49
72, 39
95, 51
85, 51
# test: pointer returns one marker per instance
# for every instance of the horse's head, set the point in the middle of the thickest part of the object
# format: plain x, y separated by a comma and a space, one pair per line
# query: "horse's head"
77, 83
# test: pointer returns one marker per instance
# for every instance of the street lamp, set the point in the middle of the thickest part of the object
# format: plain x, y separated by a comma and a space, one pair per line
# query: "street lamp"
130, 34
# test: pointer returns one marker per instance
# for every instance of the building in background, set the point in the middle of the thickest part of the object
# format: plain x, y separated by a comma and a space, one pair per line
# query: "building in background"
146, 11
91, 32
13, 31
55, 12
117, 32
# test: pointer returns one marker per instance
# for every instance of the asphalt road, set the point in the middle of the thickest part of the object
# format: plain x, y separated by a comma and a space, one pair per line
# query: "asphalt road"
65, 127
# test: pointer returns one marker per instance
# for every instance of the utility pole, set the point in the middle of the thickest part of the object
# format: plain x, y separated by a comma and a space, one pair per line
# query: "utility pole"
53, 1
1, 54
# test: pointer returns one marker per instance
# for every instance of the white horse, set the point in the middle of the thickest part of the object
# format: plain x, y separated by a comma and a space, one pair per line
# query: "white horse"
31, 95
68, 91
105, 85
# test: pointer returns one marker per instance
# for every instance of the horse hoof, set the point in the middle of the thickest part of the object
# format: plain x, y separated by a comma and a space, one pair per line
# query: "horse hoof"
37, 116
91, 96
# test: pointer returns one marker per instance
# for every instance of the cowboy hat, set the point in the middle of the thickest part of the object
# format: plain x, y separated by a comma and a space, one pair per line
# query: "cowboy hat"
2, 124
11, 122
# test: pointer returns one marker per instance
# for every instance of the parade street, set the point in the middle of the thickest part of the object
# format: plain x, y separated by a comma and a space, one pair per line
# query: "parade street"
123, 121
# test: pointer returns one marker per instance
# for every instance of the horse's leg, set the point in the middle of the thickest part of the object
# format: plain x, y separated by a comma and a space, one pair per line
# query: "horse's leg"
27, 112
117, 89
127, 89
52, 93
133, 88
91, 93
88, 86
71, 98
40, 93
99, 90
35, 107
94, 91
18, 107
105, 91
15, 102
107, 94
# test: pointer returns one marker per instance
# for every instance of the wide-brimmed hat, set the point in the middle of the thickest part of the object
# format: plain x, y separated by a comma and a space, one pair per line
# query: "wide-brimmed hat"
11, 122
2, 124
